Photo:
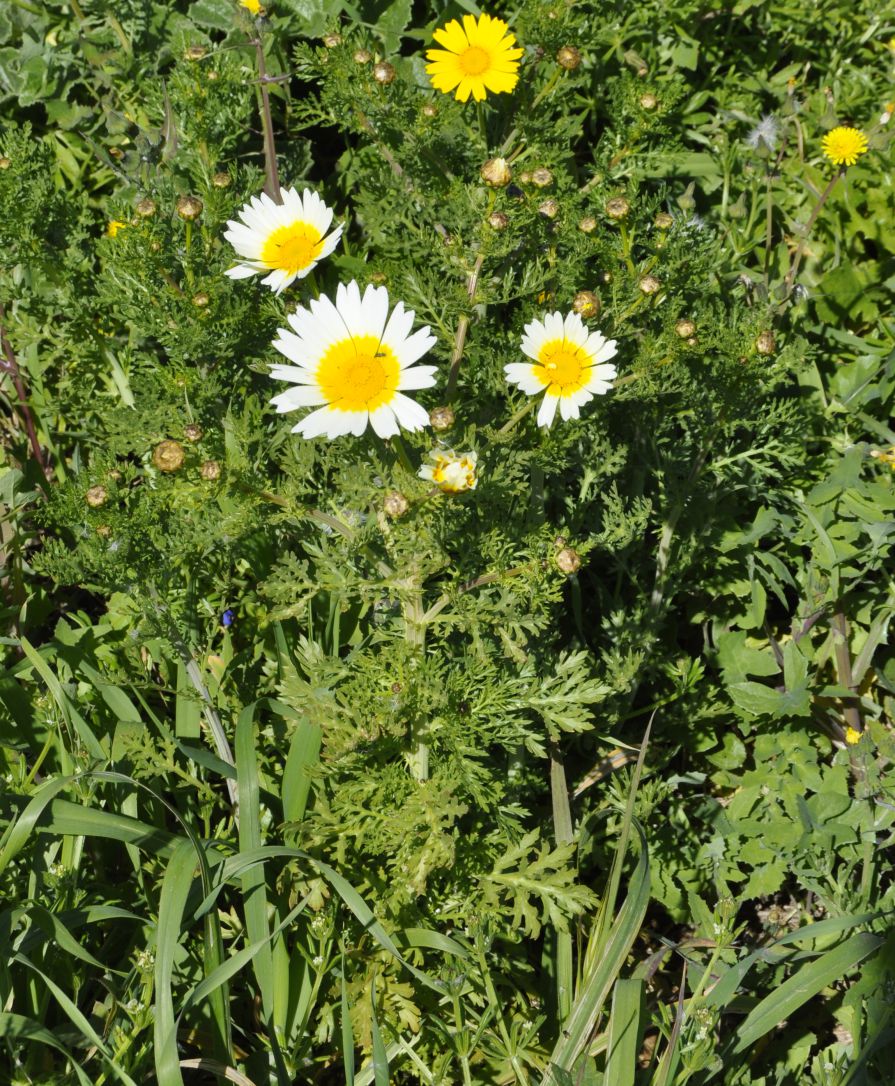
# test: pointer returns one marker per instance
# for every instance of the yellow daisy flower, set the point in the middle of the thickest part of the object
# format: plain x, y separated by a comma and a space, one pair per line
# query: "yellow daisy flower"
852, 736
353, 362
252, 6
843, 146
477, 57
287, 239
452, 473
571, 365
113, 228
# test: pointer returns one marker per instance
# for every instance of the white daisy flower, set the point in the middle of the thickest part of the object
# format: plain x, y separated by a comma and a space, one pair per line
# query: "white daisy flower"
354, 362
287, 240
571, 365
451, 473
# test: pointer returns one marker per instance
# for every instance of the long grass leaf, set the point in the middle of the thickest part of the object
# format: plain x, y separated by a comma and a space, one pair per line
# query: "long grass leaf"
175, 889
20, 1028
380, 1056
625, 1032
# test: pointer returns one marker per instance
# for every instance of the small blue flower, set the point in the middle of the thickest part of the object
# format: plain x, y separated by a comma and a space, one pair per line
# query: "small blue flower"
227, 618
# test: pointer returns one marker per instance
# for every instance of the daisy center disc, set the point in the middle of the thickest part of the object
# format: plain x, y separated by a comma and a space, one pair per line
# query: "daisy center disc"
563, 367
358, 374
292, 248
474, 60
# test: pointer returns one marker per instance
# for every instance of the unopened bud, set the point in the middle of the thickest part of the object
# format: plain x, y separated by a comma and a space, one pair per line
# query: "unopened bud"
497, 220
587, 225
586, 303
766, 344
429, 110
222, 180
146, 208
168, 456
212, 76
116, 153
496, 172
441, 418
104, 530
685, 328
384, 73
97, 496
378, 277
189, 207
194, 52
692, 341
395, 504
617, 207
201, 300
192, 432
685, 201
541, 177
5, 163
362, 56
568, 560
549, 209
568, 57
648, 101
525, 177
210, 470
664, 221
331, 40
649, 284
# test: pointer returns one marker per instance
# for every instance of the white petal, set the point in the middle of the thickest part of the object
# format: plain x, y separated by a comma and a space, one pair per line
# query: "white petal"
417, 377
400, 325
314, 425
357, 421
574, 330
601, 376
547, 410
410, 415
553, 326
522, 375
241, 271
278, 280
568, 409
384, 422
297, 374
374, 307
298, 396
348, 305
412, 348
607, 351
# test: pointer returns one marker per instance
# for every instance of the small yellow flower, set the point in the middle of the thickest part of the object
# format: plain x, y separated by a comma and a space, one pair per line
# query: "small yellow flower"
843, 146
253, 7
113, 228
885, 456
852, 736
478, 57
451, 473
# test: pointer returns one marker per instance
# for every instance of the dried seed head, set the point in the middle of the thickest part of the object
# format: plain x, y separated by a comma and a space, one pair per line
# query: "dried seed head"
649, 284
549, 209
685, 328
222, 180
648, 101
525, 177
664, 221
168, 456
587, 225
104, 530
568, 560
210, 470
115, 474
155, 246
378, 277
189, 208
692, 341
192, 432
429, 110
384, 73
541, 177
331, 40
766, 344
201, 300
559, 542
97, 496
395, 504
586, 303
212, 76
146, 208
362, 56
568, 57
5, 163
441, 418
194, 52
617, 207
496, 172
497, 220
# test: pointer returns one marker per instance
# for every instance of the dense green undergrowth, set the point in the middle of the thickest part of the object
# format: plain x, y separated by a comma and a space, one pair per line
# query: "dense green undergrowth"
316, 772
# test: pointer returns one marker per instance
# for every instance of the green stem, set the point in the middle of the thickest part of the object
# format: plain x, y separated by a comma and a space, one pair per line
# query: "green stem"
797, 256
520, 414
272, 176
562, 831
415, 635
401, 451
460, 1031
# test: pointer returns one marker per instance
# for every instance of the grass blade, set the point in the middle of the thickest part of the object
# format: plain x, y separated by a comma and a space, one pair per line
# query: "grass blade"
625, 1032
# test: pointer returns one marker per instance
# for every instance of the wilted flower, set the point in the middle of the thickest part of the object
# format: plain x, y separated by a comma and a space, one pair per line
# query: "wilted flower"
395, 504
97, 496
478, 58
210, 470
451, 472
498, 220
168, 456
568, 560
685, 328
192, 432
145, 208
586, 303
496, 172
441, 418
362, 56
649, 284
353, 362
617, 207
766, 344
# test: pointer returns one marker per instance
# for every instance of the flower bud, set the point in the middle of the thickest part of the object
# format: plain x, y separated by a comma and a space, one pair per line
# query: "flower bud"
116, 153
210, 470
429, 110
497, 220
212, 76
549, 209
362, 56
331, 40
685, 201
97, 496
395, 504
194, 52
525, 177
222, 180
496, 172
441, 418
541, 177
104, 530
384, 73
685, 328
5, 163
189, 208
587, 225
568, 57
617, 207
168, 456
766, 344
378, 277
648, 101
664, 221
649, 284
692, 341
568, 560
586, 303
192, 432
145, 208
201, 300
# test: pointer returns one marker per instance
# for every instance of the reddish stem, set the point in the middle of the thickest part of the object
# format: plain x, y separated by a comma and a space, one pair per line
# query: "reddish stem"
10, 365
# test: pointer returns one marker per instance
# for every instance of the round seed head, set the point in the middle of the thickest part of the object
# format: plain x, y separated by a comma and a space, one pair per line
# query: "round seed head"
586, 303
331, 40
104, 530
146, 208
384, 73
97, 496
648, 101
441, 418
222, 180
568, 57
496, 172
395, 504
497, 220
192, 432
189, 208
194, 52
168, 456
362, 56
5, 163
664, 221
649, 284
617, 207
685, 328
568, 560
210, 471
587, 225
692, 341
549, 209
541, 177
429, 110
766, 344
201, 300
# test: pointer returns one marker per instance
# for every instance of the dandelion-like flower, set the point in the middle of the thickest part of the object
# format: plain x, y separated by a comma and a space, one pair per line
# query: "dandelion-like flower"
286, 240
354, 361
253, 7
843, 146
766, 132
451, 473
570, 365
114, 228
478, 57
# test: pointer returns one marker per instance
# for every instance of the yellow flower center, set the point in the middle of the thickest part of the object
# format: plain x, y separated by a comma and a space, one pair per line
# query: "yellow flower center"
563, 367
474, 60
292, 248
358, 374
